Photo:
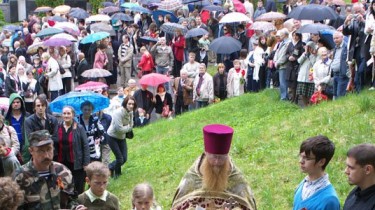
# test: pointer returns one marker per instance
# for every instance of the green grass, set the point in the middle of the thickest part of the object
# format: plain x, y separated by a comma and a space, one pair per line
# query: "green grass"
265, 145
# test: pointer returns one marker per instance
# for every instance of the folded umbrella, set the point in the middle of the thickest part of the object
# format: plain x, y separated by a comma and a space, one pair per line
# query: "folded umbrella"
196, 32
96, 73
110, 9
314, 28
91, 85
170, 28
75, 99
154, 79
225, 45
121, 16
94, 37
313, 12
235, 17
48, 32
56, 42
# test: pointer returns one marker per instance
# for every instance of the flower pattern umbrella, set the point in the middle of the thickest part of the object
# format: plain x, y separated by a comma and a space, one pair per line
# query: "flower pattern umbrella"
170, 5
270, 16
234, 17
96, 73
154, 79
55, 42
170, 28
75, 99
262, 26
91, 85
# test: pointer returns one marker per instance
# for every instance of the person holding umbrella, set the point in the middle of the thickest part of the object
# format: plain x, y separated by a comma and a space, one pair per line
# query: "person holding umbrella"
122, 123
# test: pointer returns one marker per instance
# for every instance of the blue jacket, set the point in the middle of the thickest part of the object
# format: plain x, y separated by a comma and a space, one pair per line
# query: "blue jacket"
324, 199
343, 64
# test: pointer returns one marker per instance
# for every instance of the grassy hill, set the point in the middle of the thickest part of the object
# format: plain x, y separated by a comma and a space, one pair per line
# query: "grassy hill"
265, 145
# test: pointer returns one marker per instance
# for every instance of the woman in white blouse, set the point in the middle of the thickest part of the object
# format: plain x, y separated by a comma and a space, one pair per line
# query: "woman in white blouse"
321, 72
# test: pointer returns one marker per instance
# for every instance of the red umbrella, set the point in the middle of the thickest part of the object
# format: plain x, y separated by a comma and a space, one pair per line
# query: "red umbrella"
91, 85
153, 79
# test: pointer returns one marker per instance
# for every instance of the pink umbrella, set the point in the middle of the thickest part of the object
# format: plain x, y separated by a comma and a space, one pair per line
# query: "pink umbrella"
4, 105
239, 6
153, 79
55, 42
91, 85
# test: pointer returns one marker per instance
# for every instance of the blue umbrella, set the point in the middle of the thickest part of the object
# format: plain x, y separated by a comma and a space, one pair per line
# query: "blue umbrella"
12, 28
201, 3
196, 32
79, 13
189, 1
75, 99
155, 15
314, 28
326, 37
49, 32
94, 37
121, 16
135, 8
225, 45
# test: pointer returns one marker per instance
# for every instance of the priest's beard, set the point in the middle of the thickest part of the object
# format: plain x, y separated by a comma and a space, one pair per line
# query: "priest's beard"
215, 178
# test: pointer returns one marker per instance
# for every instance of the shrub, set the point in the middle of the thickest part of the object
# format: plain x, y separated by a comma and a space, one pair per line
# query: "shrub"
2, 18
49, 3
96, 4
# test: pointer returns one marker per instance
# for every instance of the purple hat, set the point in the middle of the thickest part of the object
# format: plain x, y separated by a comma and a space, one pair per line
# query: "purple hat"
217, 138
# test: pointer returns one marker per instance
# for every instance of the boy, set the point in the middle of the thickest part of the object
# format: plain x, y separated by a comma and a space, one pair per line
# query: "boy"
8, 162
316, 191
97, 197
141, 120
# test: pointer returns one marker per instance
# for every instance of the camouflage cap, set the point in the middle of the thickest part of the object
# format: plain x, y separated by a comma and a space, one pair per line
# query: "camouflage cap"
39, 138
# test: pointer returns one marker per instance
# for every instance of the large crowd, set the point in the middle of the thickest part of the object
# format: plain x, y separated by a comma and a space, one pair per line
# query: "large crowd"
52, 153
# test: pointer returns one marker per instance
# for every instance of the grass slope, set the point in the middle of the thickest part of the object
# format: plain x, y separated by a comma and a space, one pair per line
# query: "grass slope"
265, 145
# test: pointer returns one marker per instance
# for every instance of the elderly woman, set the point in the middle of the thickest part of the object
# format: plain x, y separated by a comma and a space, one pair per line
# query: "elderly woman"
65, 61
321, 70
72, 147
236, 80
53, 75
122, 123
9, 134
132, 87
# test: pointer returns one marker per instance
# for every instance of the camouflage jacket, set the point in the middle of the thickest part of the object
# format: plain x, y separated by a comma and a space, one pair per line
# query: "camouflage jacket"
54, 192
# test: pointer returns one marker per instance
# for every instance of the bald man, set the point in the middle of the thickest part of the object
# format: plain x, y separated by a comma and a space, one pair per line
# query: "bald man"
82, 66
339, 66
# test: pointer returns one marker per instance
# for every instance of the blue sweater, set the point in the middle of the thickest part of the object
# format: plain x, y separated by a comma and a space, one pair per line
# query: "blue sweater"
324, 199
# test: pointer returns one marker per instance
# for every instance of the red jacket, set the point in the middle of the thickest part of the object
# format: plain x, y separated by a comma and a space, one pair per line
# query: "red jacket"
178, 47
146, 63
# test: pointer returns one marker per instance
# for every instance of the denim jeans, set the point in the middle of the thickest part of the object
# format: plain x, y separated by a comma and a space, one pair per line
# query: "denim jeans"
201, 104
283, 85
120, 150
360, 75
339, 85
55, 94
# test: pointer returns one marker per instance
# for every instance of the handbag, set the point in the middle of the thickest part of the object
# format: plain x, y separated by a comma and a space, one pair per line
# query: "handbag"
165, 112
129, 135
61, 69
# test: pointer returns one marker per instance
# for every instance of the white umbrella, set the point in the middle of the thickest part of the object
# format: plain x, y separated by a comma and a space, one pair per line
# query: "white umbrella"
235, 17
262, 26
99, 18
65, 36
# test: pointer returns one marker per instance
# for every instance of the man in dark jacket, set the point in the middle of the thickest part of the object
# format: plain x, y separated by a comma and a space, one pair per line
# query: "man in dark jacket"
82, 66
16, 118
144, 98
41, 120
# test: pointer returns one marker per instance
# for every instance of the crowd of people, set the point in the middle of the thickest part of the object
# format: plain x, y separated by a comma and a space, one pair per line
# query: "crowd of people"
51, 158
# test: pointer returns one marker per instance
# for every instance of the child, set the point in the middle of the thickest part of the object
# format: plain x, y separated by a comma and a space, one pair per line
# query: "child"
141, 120
8, 160
315, 191
97, 197
143, 198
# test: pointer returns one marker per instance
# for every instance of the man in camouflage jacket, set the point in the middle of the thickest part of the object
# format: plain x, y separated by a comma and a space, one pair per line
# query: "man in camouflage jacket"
48, 185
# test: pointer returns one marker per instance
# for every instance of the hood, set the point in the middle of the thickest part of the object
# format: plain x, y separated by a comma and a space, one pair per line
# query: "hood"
11, 99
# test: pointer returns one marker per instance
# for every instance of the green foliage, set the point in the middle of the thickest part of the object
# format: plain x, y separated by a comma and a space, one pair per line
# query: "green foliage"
265, 145
96, 4
49, 3
2, 18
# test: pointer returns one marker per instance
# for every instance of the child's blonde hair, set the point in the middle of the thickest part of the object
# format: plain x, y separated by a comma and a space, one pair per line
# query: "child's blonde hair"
97, 168
143, 190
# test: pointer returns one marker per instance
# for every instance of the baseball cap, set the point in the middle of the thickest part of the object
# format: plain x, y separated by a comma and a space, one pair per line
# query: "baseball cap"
39, 138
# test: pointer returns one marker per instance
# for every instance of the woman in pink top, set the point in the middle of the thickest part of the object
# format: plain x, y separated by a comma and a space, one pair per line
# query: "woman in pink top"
101, 59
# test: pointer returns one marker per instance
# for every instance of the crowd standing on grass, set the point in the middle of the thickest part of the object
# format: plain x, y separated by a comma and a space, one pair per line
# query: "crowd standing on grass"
157, 56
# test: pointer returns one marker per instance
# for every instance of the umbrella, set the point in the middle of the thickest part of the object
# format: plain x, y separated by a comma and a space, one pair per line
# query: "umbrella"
48, 32
262, 26
4, 105
79, 13
121, 16
225, 45
270, 16
313, 28
339, 2
57, 18
96, 73
234, 17
170, 5
68, 27
62, 9
95, 37
147, 2
99, 18
155, 15
56, 42
110, 9
135, 8
212, 8
42, 9
189, 1
32, 49
326, 37
12, 28
201, 3
154, 79
108, 4
148, 39
196, 32
91, 85
313, 12
170, 28
102, 27
75, 99
65, 36
239, 6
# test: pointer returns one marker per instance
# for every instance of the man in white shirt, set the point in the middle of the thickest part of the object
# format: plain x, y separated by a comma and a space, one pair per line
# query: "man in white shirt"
192, 67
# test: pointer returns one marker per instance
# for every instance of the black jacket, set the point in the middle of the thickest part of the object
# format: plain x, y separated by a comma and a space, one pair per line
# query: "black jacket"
82, 66
159, 103
147, 105
360, 199
10, 85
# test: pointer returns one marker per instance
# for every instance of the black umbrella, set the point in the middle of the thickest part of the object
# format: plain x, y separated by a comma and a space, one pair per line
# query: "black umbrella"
225, 45
314, 28
147, 39
313, 12
121, 16
196, 32
108, 4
